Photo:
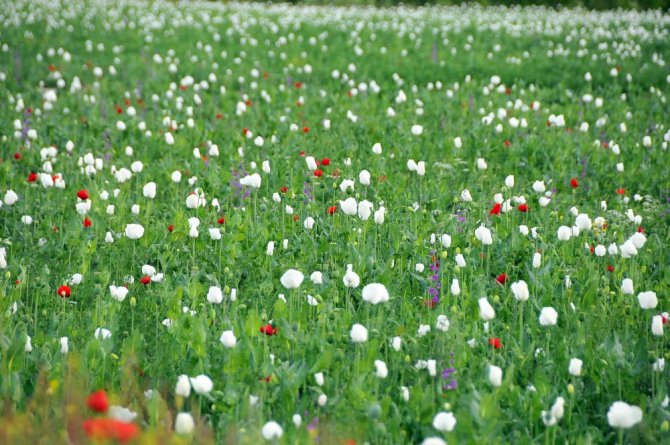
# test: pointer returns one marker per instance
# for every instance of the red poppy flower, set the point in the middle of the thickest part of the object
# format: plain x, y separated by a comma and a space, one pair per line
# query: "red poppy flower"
295, 218
145, 280
640, 229
298, 84
592, 249
574, 183
606, 145
64, 291
305, 130
610, 268
17, 156
507, 143
268, 330
283, 189
332, 210
183, 87
104, 429
87, 222
32, 177
621, 191
219, 116
119, 110
127, 102
82, 194
495, 342
523, 207
318, 172
496, 209
265, 379
325, 162
98, 401
170, 227
502, 278
221, 220
245, 131
248, 103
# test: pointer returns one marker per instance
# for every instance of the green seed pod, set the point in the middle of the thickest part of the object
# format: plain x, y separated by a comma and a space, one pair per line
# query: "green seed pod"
374, 410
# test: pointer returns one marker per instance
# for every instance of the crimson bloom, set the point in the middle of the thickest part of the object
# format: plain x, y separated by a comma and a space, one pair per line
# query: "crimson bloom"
325, 162
32, 177
268, 330
145, 280
98, 401
332, 210
496, 209
495, 342
574, 183
502, 278
318, 172
221, 220
64, 291
87, 222
82, 194
523, 207
110, 429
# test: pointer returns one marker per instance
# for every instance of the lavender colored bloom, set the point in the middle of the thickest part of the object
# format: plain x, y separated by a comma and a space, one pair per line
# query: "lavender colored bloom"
307, 191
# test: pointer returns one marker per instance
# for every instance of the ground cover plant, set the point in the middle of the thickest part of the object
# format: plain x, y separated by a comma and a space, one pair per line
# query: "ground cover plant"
244, 223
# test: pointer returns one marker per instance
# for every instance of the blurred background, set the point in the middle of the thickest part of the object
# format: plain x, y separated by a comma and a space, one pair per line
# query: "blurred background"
590, 4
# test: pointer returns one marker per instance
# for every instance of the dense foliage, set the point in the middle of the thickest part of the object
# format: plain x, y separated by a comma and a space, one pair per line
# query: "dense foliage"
239, 222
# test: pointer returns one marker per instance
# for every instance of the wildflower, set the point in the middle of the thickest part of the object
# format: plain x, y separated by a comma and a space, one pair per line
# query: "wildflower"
520, 290
201, 384
351, 278
184, 423
272, 430
134, 231
98, 401
358, 334
104, 429
228, 339
444, 421
375, 293
214, 295
381, 371
623, 415
648, 299
627, 286
575, 367
495, 375
64, 291
551, 417
548, 316
292, 279
486, 311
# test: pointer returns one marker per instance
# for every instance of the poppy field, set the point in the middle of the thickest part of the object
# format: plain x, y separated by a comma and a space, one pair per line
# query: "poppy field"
249, 223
